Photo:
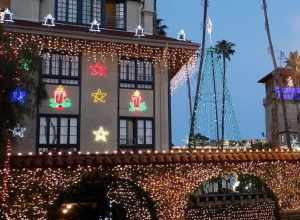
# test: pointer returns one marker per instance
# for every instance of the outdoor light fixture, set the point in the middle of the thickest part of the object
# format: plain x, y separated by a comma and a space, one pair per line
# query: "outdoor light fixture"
95, 26
181, 36
6, 16
49, 21
139, 31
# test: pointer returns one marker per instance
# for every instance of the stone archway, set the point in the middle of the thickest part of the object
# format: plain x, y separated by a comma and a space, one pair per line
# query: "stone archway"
98, 197
232, 196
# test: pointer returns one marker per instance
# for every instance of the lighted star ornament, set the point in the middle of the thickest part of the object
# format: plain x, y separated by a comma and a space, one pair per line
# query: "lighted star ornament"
99, 96
18, 96
18, 131
101, 134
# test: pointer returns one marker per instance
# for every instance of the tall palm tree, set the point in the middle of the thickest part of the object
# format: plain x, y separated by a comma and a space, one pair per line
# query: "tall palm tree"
225, 50
161, 29
193, 119
293, 62
212, 51
275, 74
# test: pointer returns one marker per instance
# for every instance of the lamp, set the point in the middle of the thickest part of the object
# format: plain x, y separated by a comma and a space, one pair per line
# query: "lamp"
49, 21
6, 16
139, 31
95, 26
181, 36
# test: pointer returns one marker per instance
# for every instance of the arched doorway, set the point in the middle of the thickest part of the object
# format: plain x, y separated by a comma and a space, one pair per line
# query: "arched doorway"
234, 197
98, 197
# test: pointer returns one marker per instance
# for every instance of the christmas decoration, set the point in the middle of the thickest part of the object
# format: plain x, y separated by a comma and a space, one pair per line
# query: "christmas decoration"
6, 16
139, 31
18, 96
101, 134
99, 96
209, 112
289, 93
60, 100
49, 21
181, 36
98, 69
25, 64
18, 131
172, 57
95, 26
168, 184
137, 103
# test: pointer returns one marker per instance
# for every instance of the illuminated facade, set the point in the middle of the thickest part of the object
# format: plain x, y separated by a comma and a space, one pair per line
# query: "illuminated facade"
290, 87
108, 88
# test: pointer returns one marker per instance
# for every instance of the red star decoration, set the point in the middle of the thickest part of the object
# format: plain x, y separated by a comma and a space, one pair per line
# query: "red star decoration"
98, 69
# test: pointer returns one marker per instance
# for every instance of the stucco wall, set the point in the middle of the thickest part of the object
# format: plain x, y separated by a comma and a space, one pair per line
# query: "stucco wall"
94, 115
26, 11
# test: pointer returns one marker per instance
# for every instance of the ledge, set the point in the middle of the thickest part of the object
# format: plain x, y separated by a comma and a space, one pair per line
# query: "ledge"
150, 157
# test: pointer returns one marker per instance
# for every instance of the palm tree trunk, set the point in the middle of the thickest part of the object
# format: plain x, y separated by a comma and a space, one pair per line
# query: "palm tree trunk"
189, 94
276, 76
223, 101
193, 119
216, 103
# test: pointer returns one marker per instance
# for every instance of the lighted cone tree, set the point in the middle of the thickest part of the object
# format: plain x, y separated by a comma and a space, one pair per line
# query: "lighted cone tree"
19, 65
210, 112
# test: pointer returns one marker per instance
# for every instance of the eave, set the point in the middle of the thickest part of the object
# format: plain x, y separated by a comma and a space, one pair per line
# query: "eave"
147, 158
79, 33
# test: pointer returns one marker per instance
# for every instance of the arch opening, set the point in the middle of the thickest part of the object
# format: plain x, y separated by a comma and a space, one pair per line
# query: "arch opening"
98, 197
232, 196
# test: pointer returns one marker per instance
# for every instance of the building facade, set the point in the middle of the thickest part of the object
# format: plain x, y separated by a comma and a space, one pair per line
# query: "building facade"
108, 90
275, 129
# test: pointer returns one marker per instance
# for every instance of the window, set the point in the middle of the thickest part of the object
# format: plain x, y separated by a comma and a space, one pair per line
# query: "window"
136, 132
136, 74
91, 9
115, 14
66, 10
56, 131
60, 69
109, 13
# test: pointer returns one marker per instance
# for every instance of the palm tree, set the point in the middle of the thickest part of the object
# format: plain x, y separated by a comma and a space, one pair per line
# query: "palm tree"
160, 27
204, 22
275, 75
225, 50
293, 62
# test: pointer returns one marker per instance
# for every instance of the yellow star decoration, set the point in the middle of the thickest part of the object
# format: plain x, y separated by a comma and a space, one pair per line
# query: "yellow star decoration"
101, 135
99, 96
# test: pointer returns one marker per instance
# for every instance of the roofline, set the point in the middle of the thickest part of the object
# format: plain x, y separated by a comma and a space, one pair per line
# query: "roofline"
281, 71
81, 32
147, 158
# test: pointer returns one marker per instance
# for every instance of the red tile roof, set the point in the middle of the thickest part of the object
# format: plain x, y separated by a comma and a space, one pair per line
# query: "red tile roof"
207, 156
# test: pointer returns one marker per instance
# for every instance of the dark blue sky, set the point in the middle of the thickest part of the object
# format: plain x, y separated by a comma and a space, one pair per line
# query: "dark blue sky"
241, 22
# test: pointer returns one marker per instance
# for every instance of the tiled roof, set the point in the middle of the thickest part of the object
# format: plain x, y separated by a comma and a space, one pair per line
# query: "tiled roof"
145, 158
281, 71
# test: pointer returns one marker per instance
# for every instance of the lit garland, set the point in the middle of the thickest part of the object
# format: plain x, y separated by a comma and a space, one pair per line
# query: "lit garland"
171, 56
185, 71
36, 189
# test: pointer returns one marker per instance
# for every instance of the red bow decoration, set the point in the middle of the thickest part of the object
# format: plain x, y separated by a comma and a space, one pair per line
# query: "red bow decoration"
98, 69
